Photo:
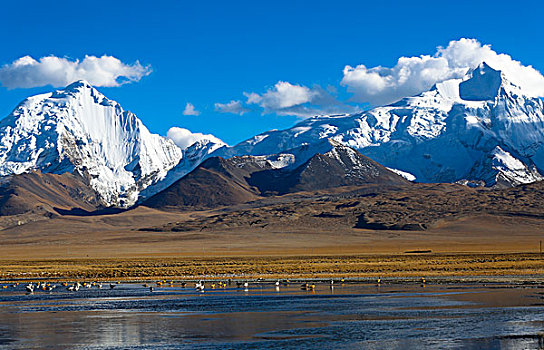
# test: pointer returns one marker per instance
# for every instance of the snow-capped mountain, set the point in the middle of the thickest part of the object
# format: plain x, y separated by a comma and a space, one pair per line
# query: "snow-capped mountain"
191, 157
479, 128
79, 130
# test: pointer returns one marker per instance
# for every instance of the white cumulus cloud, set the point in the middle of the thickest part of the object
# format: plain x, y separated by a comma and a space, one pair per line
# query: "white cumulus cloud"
413, 75
298, 100
234, 107
282, 95
190, 110
27, 72
184, 138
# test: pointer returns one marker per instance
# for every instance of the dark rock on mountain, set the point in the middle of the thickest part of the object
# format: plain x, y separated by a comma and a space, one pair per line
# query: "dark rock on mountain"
221, 182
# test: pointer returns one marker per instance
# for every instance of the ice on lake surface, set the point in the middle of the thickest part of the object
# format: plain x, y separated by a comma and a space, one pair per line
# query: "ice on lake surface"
350, 316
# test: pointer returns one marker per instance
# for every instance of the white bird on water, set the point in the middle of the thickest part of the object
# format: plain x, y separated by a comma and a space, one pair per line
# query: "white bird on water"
199, 286
30, 288
74, 287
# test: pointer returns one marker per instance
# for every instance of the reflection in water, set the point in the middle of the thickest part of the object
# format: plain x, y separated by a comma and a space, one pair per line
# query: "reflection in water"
263, 316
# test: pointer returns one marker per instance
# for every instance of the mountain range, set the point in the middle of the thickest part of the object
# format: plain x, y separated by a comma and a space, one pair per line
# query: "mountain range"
220, 182
480, 130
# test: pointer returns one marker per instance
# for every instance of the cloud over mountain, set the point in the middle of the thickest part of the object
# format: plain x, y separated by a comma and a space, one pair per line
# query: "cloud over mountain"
190, 109
184, 138
412, 75
233, 107
298, 100
27, 72
282, 95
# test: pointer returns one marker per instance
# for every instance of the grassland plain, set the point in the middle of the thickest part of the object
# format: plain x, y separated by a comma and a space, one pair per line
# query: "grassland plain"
355, 233
524, 266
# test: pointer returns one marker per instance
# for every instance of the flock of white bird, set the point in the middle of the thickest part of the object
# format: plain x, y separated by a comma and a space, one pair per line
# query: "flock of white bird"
48, 287
199, 285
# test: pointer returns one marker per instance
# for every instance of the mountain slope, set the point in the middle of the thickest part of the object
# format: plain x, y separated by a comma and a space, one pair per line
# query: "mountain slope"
79, 130
45, 194
215, 182
339, 166
479, 128
219, 182
191, 157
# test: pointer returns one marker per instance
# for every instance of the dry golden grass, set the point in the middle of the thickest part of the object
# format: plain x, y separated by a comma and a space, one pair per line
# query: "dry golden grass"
282, 266
291, 239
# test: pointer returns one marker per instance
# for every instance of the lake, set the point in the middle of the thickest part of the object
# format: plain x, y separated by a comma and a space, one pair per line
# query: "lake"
353, 315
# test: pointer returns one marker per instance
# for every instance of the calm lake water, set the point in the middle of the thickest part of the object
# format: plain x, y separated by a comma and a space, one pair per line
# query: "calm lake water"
352, 316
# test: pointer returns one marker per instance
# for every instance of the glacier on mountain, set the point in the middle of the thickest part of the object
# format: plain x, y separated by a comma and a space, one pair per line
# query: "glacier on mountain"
79, 130
191, 157
479, 128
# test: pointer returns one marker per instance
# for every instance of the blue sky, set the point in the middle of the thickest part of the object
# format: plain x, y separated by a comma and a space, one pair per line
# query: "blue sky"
209, 52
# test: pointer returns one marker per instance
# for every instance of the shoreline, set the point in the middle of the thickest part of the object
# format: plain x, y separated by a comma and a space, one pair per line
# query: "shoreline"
509, 266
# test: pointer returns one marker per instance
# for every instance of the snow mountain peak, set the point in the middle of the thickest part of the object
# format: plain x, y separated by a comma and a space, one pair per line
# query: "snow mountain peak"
477, 129
483, 84
453, 132
78, 129
78, 85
